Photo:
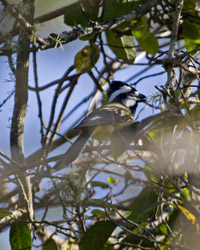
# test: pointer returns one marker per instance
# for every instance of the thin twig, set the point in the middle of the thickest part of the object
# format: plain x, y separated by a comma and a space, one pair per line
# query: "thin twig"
174, 34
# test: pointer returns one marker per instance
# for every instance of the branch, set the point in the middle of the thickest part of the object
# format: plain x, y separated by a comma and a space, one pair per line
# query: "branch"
14, 216
97, 28
20, 107
176, 22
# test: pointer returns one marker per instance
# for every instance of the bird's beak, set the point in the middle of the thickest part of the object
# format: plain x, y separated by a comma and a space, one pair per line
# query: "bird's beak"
141, 98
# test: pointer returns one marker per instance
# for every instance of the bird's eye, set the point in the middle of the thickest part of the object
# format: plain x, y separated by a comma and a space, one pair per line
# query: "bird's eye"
133, 93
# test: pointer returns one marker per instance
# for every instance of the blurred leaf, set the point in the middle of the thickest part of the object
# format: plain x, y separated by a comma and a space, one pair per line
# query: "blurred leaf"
102, 203
116, 8
69, 245
81, 12
97, 235
99, 184
108, 247
111, 179
189, 4
20, 236
186, 192
86, 58
87, 38
188, 214
190, 44
4, 212
50, 244
85, 10
116, 148
143, 205
127, 213
122, 46
150, 175
191, 35
194, 113
190, 30
98, 212
163, 229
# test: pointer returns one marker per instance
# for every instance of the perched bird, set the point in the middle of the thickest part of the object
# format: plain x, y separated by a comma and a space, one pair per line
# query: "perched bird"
122, 101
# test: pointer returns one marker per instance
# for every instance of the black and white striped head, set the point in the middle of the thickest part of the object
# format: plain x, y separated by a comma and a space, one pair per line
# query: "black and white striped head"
123, 93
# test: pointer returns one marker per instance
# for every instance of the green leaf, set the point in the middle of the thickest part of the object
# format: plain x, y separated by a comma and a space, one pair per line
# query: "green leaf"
116, 8
108, 247
142, 27
150, 175
191, 217
190, 30
189, 4
97, 235
86, 58
191, 44
194, 113
163, 229
186, 193
122, 46
50, 244
85, 10
4, 212
111, 179
148, 42
144, 204
87, 38
98, 212
102, 203
81, 12
20, 236
99, 184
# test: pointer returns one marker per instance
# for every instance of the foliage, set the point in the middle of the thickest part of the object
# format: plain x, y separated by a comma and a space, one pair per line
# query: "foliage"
145, 196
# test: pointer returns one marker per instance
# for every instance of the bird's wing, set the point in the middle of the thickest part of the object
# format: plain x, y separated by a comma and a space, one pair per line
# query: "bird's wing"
112, 113
108, 114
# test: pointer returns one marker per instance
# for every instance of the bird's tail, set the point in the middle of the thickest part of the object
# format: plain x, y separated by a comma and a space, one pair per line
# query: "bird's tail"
76, 148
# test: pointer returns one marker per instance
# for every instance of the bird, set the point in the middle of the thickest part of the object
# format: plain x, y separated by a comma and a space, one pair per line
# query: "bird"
117, 113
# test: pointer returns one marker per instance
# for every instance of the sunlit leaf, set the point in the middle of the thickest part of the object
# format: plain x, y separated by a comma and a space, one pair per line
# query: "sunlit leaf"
186, 193
111, 179
163, 229
122, 46
151, 176
98, 212
190, 45
86, 58
148, 43
188, 214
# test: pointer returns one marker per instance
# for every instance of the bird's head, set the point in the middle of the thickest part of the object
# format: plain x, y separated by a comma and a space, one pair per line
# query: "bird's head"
122, 93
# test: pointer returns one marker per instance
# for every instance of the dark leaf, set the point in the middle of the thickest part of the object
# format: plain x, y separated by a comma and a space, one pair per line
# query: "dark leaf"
20, 236
97, 235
